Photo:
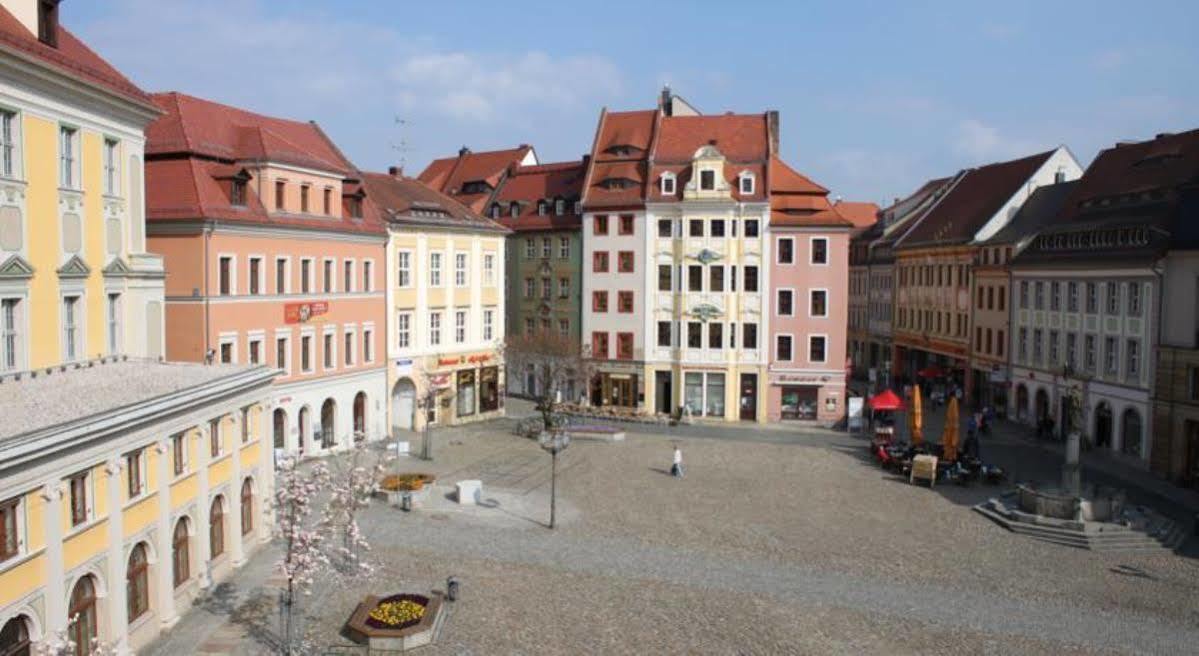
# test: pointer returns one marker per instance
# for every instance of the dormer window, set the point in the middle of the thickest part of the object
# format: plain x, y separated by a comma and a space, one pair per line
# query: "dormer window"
617, 183
514, 209
559, 207
747, 183
667, 184
578, 207
237, 193
495, 210
47, 22
707, 180
541, 208
354, 205
620, 150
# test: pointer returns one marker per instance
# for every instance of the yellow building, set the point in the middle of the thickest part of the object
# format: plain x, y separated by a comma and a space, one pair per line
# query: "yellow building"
126, 484
445, 299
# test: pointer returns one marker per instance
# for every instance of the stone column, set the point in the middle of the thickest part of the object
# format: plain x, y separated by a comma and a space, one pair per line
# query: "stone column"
202, 503
56, 593
235, 547
118, 613
265, 480
164, 571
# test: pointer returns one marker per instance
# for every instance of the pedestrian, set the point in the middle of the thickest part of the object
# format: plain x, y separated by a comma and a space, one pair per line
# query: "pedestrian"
676, 468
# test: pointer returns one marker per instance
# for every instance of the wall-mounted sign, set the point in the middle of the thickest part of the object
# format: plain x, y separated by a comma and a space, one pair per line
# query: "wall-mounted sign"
803, 379
404, 366
302, 312
464, 359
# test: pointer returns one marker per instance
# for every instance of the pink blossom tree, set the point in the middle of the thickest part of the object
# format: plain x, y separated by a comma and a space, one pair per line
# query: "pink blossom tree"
304, 556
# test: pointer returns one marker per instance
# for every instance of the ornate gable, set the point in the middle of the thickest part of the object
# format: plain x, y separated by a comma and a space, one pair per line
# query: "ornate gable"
16, 268
74, 268
116, 269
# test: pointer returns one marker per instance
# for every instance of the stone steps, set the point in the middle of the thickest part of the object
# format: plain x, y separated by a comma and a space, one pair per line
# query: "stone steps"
1116, 538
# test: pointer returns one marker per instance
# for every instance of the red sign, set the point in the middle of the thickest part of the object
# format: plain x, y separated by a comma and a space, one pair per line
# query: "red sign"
463, 359
302, 312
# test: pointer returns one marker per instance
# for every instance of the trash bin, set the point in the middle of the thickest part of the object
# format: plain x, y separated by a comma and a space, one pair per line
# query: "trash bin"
451, 588
406, 502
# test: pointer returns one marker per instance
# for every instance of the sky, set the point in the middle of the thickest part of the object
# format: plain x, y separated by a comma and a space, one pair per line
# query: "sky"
874, 97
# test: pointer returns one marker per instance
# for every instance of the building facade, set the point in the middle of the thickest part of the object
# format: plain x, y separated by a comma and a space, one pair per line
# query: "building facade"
1174, 451
445, 295
127, 485
271, 260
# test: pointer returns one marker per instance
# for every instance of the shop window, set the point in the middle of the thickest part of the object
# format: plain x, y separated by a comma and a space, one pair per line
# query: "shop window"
466, 393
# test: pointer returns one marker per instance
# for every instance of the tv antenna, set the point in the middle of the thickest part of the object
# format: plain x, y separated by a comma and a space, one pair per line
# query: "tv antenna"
402, 146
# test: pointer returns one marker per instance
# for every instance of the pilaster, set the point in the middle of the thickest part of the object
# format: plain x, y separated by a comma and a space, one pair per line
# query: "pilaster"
202, 498
56, 593
164, 571
118, 614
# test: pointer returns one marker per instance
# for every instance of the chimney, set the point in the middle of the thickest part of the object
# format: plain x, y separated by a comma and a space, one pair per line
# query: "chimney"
395, 171
664, 100
463, 151
47, 22
772, 130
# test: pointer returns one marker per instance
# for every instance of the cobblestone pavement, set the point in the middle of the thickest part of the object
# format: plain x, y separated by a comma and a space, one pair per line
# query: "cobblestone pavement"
776, 542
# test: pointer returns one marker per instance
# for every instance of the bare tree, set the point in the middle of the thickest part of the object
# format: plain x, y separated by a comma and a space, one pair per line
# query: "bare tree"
555, 363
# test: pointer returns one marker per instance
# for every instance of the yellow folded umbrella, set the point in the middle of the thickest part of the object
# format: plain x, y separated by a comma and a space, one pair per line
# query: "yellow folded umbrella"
915, 420
949, 438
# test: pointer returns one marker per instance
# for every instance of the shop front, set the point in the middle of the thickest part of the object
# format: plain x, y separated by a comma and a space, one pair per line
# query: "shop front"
464, 388
815, 398
618, 385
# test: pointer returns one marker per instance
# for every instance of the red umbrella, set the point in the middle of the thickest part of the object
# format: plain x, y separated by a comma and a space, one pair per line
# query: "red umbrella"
886, 400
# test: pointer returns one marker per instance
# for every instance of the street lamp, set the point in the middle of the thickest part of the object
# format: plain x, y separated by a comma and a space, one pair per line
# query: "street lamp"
554, 444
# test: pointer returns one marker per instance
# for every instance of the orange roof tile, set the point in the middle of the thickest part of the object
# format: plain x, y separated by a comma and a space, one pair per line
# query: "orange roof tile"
860, 214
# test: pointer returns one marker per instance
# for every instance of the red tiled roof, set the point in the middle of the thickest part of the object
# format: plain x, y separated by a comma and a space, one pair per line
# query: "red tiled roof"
407, 200
72, 57
732, 172
194, 149
784, 179
862, 215
449, 174
796, 201
620, 152
195, 126
527, 185
822, 218
972, 202
629, 129
739, 137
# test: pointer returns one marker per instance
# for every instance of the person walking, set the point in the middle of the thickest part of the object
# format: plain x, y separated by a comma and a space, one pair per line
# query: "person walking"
676, 467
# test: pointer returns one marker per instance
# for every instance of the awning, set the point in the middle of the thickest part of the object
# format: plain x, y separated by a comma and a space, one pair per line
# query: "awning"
886, 400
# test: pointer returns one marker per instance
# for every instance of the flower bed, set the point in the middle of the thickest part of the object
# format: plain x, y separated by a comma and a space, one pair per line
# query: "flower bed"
396, 623
397, 612
405, 482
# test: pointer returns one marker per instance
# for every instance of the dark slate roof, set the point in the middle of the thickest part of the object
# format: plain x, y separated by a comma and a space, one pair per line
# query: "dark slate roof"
1042, 208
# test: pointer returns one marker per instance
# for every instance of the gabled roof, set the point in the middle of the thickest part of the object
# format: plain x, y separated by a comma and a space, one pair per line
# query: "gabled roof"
861, 215
400, 200
527, 185
973, 201
194, 126
796, 201
71, 57
1042, 209
449, 174
740, 138
620, 152
784, 179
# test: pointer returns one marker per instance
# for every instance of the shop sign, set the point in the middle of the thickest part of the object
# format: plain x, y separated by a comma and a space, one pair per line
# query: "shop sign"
404, 366
439, 381
302, 312
464, 359
998, 375
803, 379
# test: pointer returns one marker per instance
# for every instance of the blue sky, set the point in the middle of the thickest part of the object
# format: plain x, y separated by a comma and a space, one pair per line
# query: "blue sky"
875, 97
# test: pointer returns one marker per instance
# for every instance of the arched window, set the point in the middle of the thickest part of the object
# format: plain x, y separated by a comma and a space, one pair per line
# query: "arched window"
216, 528
180, 560
83, 609
360, 415
280, 428
1130, 443
137, 584
247, 507
14, 637
328, 420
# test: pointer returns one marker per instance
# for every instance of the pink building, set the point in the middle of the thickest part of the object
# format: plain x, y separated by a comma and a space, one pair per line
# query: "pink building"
809, 269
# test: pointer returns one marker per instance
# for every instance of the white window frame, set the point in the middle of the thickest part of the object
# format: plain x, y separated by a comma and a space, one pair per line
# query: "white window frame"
329, 360
368, 342
435, 328
488, 324
258, 337
435, 264
230, 338
233, 277
404, 329
461, 269
349, 283
286, 259
111, 169
668, 179
775, 354
530, 248
808, 356
72, 159
489, 269
20, 332
811, 292
112, 320
79, 323
349, 350
778, 251
13, 145
261, 273
328, 265
460, 326
368, 275
285, 335
745, 177
310, 333
404, 268
564, 248
828, 253
547, 248
311, 277
778, 304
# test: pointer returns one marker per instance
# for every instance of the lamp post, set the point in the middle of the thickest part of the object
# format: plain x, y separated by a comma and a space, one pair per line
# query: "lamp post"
554, 444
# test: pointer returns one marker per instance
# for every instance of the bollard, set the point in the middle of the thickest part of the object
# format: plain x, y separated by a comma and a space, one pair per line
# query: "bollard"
406, 502
451, 588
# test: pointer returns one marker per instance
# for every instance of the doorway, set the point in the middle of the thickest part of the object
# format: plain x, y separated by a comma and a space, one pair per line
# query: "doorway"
663, 392
1064, 413
620, 391
403, 404
1103, 425
749, 397
1042, 406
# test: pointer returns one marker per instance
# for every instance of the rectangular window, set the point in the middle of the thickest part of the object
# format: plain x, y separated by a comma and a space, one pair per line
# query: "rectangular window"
707, 179
1023, 294
626, 224
695, 334
347, 348
599, 345
547, 288
280, 194
488, 325
785, 302
715, 335
564, 248
715, 278
751, 228
225, 275
1055, 296
306, 276
306, 354
564, 327
435, 269
1113, 298
404, 330
255, 348
624, 302
111, 180
1053, 348
328, 277
599, 301
1092, 298
72, 342
599, 262
1039, 295
403, 268
782, 348
368, 345
10, 529
819, 250
133, 474
434, 328
460, 269
1072, 297
665, 228
79, 499
664, 281
328, 344
67, 143
818, 306
624, 261
216, 441
1111, 355
749, 336
530, 248
347, 276
281, 275
255, 281
1022, 344
695, 278
716, 229
179, 453
750, 283
664, 337
601, 224
281, 354
546, 248
327, 202
1089, 352
563, 287
624, 346
816, 348
786, 250
530, 288
304, 189
1037, 344
114, 323
10, 325
460, 327
489, 269
368, 275
1134, 299
1071, 349
9, 144
695, 228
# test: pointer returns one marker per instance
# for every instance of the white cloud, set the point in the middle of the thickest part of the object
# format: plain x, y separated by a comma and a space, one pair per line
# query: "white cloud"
984, 143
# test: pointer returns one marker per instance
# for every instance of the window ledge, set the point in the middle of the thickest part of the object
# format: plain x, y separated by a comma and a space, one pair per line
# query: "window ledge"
182, 477
225, 455
138, 499
81, 528
20, 559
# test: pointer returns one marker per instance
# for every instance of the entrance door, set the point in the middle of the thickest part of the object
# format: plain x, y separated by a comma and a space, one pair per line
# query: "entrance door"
749, 397
403, 404
622, 392
663, 392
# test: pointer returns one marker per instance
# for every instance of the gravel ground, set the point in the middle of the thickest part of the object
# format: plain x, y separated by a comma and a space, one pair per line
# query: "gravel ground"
770, 547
